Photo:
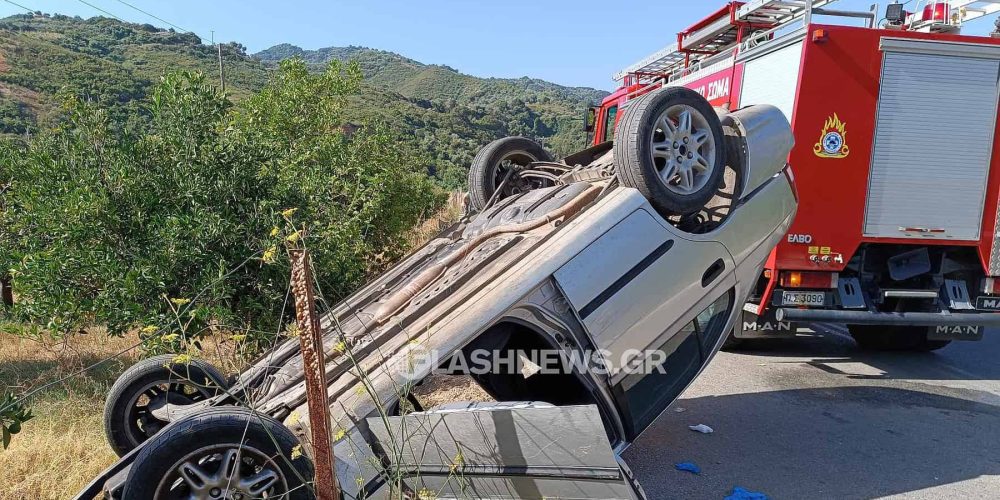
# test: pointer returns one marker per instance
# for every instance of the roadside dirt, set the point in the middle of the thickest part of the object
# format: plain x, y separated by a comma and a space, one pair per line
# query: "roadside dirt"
33, 103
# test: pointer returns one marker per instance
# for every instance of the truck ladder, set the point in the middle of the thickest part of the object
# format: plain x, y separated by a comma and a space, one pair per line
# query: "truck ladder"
970, 10
719, 32
777, 12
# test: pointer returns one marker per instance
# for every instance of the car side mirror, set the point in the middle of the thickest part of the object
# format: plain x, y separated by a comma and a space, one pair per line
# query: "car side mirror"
590, 121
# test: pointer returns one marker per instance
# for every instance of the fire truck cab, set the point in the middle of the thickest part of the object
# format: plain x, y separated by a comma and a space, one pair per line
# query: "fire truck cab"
894, 115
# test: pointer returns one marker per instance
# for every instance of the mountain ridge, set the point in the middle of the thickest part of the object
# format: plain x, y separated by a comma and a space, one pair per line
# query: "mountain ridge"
443, 113
345, 53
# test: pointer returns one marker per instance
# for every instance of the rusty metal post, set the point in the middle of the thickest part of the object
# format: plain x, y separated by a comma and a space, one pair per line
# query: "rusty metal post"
311, 341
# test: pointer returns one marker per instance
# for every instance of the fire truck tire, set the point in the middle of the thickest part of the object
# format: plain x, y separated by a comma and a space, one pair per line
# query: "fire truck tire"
680, 170
492, 164
894, 338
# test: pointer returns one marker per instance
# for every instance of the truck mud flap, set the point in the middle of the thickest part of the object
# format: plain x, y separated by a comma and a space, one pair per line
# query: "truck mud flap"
766, 326
960, 333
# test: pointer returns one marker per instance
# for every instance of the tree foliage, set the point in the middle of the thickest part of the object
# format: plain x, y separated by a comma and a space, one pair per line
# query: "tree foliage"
117, 223
13, 414
444, 115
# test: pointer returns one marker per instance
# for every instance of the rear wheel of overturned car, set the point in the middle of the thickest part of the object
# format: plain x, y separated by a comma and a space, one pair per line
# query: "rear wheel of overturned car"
500, 164
669, 145
895, 338
223, 453
137, 405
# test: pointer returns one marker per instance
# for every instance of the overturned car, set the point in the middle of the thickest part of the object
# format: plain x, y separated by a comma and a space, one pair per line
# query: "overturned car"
516, 355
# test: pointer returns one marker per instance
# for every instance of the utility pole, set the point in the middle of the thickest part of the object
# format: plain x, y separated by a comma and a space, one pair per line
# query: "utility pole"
222, 69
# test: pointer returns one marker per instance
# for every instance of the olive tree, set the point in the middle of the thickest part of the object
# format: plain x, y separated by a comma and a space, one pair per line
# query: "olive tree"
116, 222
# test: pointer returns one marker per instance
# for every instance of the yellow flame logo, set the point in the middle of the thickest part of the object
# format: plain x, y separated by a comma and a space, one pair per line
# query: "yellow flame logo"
832, 139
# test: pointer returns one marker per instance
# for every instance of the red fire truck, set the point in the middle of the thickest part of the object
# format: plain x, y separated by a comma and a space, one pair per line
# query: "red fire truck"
895, 159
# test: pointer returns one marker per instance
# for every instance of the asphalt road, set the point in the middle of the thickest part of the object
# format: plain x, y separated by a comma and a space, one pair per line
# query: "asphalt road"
818, 418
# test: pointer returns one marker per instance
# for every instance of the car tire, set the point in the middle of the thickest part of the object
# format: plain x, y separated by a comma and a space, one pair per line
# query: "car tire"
679, 171
205, 440
185, 383
894, 338
488, 170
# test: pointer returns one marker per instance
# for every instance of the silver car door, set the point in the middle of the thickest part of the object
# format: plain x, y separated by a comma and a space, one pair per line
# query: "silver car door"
638, 285
501, 453
643, 394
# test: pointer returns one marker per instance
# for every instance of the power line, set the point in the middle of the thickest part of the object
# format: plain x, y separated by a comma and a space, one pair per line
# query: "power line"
172, 25
19, 5
85, 2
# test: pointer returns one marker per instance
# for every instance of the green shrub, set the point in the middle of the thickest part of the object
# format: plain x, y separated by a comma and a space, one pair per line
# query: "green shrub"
106, 223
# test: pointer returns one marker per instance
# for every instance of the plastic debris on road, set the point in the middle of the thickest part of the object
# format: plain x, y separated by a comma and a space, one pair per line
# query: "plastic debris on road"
688, 467
740, 493
702, 428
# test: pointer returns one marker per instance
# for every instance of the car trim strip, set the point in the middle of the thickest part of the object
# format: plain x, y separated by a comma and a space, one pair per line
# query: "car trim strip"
622, 282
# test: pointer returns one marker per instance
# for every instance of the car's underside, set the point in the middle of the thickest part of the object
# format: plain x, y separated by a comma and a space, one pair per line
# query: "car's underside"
546, 266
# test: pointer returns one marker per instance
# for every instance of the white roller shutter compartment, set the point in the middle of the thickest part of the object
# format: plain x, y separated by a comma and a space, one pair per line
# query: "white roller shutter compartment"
933, 145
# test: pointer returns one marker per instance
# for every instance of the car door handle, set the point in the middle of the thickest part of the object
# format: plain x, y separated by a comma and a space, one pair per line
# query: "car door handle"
713, 272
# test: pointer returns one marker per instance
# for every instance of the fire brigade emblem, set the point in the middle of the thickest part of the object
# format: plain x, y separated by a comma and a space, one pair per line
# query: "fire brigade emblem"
833, 139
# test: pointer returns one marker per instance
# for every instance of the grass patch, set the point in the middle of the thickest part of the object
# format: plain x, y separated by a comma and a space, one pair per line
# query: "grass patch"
63, 447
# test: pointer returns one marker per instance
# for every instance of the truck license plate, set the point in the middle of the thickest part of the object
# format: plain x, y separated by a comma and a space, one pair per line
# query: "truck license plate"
803, 298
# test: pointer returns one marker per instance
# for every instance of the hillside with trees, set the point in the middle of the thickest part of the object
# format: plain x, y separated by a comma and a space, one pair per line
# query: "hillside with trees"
443, 115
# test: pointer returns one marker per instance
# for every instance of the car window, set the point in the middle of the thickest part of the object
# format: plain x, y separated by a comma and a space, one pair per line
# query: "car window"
609, 123
645, 395
711, 321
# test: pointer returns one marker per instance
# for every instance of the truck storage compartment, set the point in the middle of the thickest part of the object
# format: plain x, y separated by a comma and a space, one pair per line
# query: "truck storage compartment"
933, 140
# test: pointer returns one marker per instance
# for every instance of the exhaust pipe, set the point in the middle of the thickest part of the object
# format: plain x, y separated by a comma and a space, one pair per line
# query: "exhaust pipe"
398, 300
759, 149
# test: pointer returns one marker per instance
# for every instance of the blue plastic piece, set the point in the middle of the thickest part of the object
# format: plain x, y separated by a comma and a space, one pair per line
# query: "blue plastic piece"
688, 467
740, 493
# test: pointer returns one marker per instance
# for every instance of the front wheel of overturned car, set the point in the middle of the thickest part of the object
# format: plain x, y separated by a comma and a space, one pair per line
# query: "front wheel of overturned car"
670, 146
139, 402
224, 453
499, 166
894, 338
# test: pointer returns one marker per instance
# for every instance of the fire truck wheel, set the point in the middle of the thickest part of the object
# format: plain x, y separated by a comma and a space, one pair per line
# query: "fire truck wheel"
130, 410
224, 452
669, 145
894, 338
500, 164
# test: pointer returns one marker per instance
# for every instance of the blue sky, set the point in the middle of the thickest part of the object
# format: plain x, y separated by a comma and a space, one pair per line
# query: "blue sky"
578, 42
